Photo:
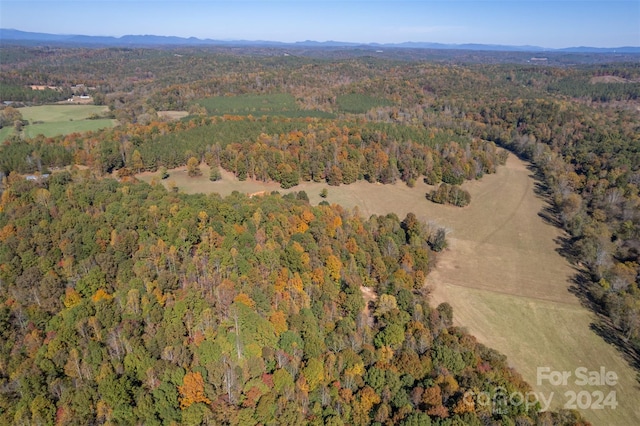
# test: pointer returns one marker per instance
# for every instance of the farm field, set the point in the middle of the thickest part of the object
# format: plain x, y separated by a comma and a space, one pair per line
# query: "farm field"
502, 275
65, 127
5, 132
53, 120
359, 104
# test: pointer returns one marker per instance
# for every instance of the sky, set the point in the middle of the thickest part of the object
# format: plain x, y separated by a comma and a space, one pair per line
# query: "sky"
550, 24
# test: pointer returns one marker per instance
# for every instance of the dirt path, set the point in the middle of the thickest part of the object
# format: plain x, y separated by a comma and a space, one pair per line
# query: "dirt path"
369, 295
502, 275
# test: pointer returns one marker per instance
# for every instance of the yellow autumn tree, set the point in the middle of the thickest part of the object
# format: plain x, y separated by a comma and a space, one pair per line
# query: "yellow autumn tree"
279, 321
192, 390
334, 266
368, 398
136, 161
71, 298
101, 295
193, 167
245, 299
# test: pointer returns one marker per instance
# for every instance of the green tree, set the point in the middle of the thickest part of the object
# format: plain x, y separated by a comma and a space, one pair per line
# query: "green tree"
214, 174
136, 161
314, 373
164, 174
193, 167
10, 115
438, 239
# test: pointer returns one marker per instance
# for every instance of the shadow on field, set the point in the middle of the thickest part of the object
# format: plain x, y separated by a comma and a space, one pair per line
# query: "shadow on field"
549, 213
581, 287
567, 248
582, 284
611, 335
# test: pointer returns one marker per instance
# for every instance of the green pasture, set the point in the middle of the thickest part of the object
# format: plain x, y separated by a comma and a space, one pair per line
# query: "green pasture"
279, 104
65, 127
357, 103
54, 120
56, 113
5, 132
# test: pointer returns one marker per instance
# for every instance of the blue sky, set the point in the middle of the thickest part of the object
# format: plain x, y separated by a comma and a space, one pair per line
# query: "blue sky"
554, 24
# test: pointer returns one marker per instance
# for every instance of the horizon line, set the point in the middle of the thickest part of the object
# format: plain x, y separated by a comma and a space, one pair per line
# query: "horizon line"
355, 43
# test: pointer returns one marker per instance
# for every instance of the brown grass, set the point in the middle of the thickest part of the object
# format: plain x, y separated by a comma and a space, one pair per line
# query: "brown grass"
608, 79
172, 115
502, 274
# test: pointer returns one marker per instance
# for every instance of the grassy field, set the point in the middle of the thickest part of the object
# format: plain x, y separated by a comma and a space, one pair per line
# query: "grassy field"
5, 132
173, 115
359, 104
65, 127
502, 274
56, 113
279, 104
53, 120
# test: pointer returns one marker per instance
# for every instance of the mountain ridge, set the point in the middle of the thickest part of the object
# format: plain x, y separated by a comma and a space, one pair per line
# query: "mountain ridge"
13, 36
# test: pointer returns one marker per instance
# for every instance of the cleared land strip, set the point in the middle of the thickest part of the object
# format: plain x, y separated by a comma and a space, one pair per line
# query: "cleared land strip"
534, 333
508, 286
521, 272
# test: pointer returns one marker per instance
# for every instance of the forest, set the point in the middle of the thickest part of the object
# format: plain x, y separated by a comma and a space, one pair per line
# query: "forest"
126, 303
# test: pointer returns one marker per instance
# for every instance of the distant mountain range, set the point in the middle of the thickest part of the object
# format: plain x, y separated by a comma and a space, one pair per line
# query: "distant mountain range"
10, 36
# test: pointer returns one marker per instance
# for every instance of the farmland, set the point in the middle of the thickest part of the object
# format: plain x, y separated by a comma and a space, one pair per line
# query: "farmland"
359, 104
53, 120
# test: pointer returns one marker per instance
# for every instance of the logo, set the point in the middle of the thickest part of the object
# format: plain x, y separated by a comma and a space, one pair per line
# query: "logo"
499, 400
598, 399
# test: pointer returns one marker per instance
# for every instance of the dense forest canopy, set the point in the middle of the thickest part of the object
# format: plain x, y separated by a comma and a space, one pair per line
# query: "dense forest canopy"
130, 304
125, 303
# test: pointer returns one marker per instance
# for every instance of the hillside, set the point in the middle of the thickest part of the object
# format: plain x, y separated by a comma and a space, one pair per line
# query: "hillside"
202, 309
129, 302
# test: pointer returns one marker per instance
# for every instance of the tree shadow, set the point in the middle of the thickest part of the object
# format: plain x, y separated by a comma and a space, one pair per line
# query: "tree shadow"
582, 283
541, 188
611, 335
567, 248
581, 287
549, 215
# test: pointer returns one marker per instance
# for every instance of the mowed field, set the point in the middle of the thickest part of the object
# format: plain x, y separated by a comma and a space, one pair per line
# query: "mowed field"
54, 120
501, 273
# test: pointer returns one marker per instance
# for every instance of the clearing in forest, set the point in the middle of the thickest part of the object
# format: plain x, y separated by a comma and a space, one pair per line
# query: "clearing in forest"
502, 274
55, 120
173, 115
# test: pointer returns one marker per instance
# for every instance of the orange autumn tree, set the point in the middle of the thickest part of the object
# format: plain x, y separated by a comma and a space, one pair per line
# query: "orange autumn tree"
192, 390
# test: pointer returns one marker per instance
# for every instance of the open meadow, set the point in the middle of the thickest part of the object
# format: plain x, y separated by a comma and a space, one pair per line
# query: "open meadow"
502, 274
54, 120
